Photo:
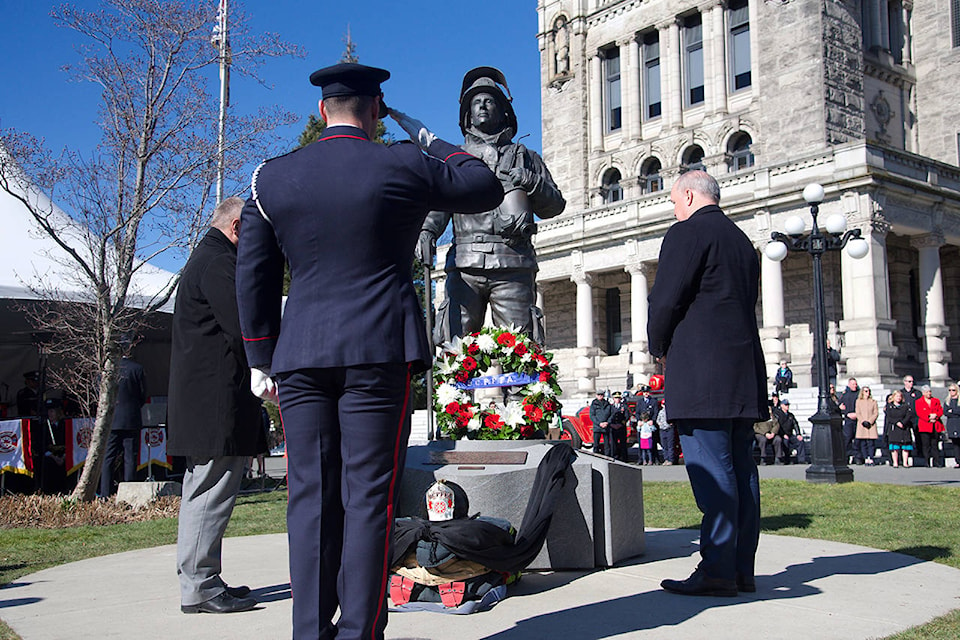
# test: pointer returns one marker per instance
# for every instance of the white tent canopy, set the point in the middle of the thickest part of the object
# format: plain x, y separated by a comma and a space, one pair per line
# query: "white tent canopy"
33, 267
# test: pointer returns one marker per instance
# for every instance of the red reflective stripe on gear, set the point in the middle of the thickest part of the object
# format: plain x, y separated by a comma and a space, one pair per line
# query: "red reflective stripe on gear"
393, 484
246, 339
457, 153
343, 135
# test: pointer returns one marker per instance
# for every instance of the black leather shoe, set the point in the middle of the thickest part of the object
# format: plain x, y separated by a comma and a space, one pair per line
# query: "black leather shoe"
238, 592
700, 584
746, 585
223, 603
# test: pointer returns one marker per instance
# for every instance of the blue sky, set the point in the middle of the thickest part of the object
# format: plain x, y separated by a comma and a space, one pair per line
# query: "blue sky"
426, 44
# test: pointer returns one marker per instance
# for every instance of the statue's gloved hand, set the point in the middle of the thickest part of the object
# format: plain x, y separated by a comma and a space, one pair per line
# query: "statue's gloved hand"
426, 248
523, 178
417, 131
263, 386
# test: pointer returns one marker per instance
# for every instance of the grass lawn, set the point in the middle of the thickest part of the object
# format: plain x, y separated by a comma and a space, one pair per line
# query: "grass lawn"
918, 521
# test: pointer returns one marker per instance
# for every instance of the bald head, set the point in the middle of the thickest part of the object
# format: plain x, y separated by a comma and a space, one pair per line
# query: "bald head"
691, 191
226, 218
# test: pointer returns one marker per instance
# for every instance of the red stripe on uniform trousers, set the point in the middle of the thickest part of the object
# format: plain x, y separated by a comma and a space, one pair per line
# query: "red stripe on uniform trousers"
246, 339
393, 484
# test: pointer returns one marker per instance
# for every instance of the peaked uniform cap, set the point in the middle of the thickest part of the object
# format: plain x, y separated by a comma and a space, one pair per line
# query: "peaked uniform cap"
351, 79
486, 80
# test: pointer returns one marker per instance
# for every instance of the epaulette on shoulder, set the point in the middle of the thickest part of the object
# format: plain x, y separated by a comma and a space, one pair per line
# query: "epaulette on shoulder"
253, 179
255, 195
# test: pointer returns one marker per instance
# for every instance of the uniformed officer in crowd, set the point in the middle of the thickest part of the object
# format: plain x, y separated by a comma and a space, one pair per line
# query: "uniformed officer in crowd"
345, 213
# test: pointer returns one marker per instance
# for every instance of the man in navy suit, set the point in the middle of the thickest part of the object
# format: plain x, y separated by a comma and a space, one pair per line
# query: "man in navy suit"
702, 320
345, 213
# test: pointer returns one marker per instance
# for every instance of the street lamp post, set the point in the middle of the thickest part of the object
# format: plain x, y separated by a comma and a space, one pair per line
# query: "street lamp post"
829, 457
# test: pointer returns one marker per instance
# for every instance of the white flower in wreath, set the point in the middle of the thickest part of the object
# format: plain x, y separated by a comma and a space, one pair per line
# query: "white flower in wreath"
527, 357
454, 346
513, 414
447, 393
474, 423
445, 367
466, 341
541, 387
486, 343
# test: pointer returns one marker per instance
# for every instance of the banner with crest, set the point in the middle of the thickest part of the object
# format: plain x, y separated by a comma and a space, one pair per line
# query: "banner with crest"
153, 447
79, 433
15, 451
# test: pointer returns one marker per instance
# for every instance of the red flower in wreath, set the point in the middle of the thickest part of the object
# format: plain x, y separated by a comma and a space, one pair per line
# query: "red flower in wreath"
548, 405
469, 364
461, 376
520, 349
453, 408
540, 360
528, 409
544, 376
473, 349
526, 430
493, 422
506, 339
462, 420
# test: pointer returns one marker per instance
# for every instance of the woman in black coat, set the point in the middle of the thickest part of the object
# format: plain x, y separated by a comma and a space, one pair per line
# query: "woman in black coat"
951, 411
896, 426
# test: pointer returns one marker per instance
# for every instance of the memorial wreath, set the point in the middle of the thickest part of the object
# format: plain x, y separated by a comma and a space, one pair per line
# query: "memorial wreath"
527, 372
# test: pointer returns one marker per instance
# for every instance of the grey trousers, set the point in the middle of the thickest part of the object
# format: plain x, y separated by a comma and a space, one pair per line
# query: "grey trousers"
210, 489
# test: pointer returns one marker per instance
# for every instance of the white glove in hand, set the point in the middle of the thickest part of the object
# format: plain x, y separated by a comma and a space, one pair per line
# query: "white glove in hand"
263, 386
417, 131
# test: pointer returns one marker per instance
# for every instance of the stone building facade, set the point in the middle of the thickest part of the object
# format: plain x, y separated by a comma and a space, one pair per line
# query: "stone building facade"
768, 96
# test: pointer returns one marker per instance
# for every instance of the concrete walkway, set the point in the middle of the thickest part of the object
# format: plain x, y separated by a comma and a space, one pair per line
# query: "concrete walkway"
806, 589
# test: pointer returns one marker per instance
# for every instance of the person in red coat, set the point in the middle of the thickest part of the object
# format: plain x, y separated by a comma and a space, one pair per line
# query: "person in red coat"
929, 411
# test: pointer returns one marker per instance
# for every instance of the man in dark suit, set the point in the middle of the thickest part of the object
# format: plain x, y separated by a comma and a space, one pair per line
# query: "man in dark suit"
125, 429
702, 321
345, 213
213, 418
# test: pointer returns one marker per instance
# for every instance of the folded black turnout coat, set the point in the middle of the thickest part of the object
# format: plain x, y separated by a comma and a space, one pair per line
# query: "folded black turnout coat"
486, 543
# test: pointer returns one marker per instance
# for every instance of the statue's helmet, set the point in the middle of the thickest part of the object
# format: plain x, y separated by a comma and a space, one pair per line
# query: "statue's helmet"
486, 80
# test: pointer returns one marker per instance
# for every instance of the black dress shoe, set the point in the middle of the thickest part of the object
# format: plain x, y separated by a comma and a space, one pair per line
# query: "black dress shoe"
746, 585
700, 584
223, 603
238, 592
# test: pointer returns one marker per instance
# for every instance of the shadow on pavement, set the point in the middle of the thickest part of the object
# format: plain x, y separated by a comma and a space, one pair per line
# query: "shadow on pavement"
655, 609
273, 593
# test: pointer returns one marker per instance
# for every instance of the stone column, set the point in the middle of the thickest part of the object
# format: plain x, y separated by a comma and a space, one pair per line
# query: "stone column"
640, 360
672, 87
907, 33
773, 333
934, 331
715, 39
883, 16
596, 102
866, 325
585, 365
876, 34
630, 81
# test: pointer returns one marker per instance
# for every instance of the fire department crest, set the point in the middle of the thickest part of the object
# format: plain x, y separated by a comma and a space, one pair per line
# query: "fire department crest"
8, 442
154, 437
84, 437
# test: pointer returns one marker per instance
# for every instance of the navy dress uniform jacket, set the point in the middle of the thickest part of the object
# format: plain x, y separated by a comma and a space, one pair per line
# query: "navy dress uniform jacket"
211, 410
346, 213
702, 309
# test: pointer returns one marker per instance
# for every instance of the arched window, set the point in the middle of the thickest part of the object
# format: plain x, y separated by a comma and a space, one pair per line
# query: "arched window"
739, 155
650, 180
692, 159
611, 189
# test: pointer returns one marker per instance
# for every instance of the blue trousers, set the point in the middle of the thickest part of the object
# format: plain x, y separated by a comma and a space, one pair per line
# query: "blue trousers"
346, 430
718, 454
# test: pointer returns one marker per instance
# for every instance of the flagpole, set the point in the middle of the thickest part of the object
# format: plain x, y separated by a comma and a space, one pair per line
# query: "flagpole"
221, 41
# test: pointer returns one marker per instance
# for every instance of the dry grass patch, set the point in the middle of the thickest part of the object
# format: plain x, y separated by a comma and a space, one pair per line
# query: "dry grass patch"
59, 512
